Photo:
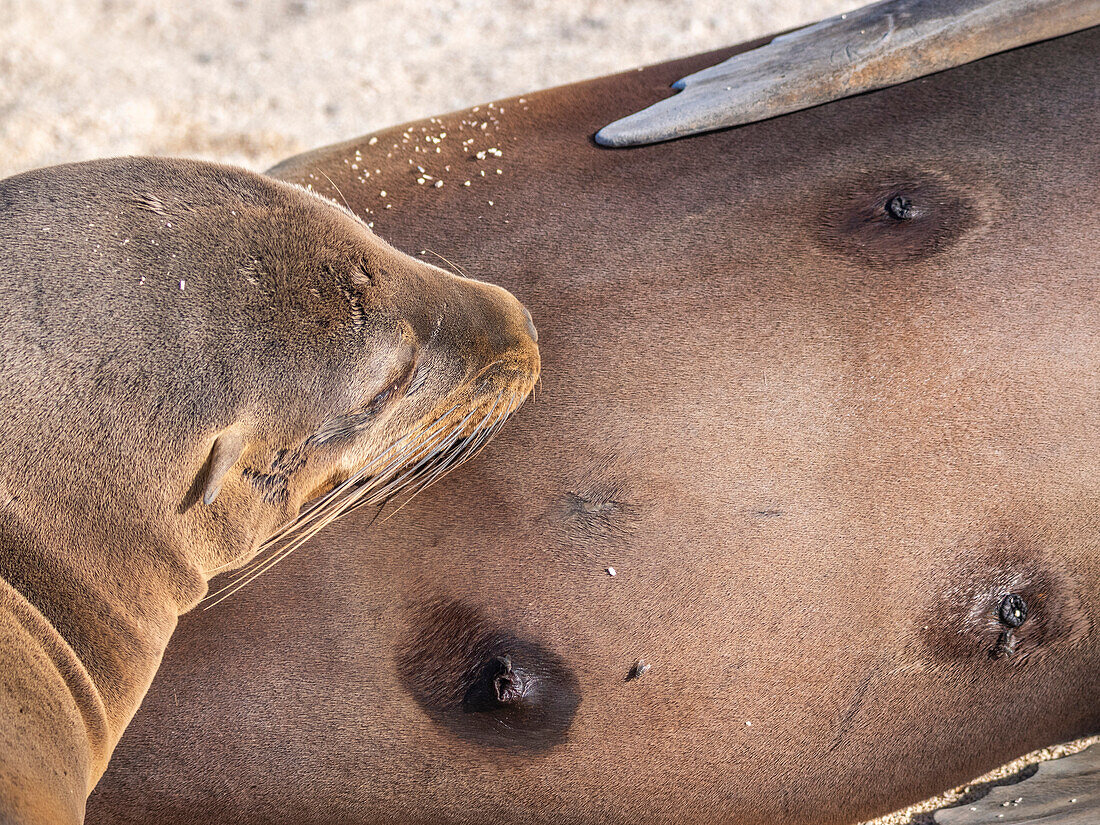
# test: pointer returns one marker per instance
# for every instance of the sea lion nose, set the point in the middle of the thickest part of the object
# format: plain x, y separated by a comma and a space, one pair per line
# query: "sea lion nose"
534, 333
497, 328
507, 325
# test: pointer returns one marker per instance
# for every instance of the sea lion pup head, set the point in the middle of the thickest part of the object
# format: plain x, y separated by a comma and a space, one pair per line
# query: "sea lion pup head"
188, 353
229, 347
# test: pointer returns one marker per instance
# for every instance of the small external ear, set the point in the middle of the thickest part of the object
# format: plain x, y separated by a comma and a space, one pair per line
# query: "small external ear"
227, 449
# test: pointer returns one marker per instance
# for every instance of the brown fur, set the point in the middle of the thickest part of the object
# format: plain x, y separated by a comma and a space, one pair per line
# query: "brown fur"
183, 347
816, 446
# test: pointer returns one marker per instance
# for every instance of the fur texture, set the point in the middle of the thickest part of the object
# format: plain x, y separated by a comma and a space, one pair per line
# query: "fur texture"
178, 339
818, 443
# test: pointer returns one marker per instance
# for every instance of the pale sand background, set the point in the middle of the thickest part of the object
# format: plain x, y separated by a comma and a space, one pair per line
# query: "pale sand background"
253, 82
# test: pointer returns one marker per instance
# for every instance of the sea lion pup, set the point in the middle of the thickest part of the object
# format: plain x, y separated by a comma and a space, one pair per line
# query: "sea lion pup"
189, 353
821, 392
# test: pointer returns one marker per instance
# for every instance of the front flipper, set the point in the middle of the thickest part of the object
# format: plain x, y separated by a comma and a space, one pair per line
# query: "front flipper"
879, 45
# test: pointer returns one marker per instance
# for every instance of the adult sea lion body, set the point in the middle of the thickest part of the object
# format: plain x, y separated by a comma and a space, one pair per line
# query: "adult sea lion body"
189, 353
820, 391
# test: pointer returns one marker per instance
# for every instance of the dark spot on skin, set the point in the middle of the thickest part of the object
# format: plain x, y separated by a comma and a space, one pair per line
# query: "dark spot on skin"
273, 488
501, 683
768, 513
1007, 600
895, 217
899, 208
486, 684
1012, 610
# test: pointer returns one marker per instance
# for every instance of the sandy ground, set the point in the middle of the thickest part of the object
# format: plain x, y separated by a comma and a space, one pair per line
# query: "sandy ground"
253, 82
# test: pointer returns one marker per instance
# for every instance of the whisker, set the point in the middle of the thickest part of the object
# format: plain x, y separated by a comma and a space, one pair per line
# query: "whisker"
425, 456
332, 513
461, 271
444, 443
337, 188
460, 456
446, 463
317, 510
366, 493
314, 512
